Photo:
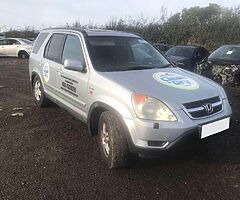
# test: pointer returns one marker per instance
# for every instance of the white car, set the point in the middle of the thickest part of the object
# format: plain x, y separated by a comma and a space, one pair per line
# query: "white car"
15, 47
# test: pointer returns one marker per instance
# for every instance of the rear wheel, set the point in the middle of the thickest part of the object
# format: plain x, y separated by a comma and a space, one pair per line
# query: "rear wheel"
23, 54
38, 92
112, 140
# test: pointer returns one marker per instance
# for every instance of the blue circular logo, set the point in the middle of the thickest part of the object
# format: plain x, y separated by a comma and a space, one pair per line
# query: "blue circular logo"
46, 72
176, 80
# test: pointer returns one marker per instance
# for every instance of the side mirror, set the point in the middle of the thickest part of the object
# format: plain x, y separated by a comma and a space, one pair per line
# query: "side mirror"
74, 65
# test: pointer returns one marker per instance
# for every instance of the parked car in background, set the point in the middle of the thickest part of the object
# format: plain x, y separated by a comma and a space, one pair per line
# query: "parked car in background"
15, 47
161, 47
187, 57
223, 65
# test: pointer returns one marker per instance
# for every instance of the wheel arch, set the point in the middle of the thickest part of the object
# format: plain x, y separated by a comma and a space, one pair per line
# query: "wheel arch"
94, 114
33, 75
93, 119
21, 51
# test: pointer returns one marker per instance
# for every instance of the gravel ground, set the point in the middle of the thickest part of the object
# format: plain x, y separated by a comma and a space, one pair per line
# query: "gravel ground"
46, 154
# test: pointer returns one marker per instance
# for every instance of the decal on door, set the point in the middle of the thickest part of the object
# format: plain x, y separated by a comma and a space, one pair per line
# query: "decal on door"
46, 72
68, 86
176, 80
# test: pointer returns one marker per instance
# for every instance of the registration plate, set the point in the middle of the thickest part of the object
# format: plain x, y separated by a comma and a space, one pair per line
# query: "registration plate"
215, 127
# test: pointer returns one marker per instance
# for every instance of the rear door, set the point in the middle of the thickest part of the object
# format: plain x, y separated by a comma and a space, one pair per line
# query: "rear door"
72, 85
51, 62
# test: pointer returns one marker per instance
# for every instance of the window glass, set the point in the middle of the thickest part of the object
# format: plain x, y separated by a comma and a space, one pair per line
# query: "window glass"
123, 53
226, 53
181, 51
54, 48
202, 54
26, 41
2, 42
39, 41
12, 42
72, 49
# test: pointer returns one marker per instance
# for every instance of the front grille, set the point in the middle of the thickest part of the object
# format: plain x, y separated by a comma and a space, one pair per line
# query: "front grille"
196, 109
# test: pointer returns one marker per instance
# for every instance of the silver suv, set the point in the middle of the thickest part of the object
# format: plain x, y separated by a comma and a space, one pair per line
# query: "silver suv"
127, 93
15, 47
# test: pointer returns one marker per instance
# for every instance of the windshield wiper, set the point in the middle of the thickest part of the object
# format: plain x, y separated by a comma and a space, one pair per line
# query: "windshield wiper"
142, 67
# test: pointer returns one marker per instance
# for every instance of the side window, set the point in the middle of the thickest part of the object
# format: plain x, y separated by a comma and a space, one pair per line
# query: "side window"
17, 42
54, 47
73, 49
2, 42
39, 41
13, 42
202, 53
7, 42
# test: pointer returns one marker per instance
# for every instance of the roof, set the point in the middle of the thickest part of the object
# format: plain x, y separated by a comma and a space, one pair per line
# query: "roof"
96, 32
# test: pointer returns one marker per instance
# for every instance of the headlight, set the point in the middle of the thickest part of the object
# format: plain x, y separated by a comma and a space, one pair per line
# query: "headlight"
149, 108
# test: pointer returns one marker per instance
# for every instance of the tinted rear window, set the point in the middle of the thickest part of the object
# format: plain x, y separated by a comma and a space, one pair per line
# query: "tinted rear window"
39, 41
54, 47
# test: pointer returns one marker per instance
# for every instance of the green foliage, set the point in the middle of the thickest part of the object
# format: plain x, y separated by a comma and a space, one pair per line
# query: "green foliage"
26, 33
210, 26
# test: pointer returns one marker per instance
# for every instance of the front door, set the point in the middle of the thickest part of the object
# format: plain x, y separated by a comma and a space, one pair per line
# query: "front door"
11, 49
73, 84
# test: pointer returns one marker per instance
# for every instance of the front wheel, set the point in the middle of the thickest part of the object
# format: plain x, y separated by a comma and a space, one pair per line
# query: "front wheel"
38, 92
112, 140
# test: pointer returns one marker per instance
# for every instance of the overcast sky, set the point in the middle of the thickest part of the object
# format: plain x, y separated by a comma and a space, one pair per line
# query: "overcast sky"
44, 13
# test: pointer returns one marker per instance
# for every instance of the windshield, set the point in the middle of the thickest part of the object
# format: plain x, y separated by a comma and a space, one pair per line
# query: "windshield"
124, 53
181, 52
226, 53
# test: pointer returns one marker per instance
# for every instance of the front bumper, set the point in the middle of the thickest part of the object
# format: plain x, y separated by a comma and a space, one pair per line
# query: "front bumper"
147, 135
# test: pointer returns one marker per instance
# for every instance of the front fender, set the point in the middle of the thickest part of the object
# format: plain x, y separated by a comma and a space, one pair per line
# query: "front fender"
113, 105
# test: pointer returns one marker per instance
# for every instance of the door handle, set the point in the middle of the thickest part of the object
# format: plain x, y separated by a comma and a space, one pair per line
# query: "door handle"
60, 71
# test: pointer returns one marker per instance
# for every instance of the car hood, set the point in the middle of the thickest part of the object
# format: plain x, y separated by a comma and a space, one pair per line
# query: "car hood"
174, 86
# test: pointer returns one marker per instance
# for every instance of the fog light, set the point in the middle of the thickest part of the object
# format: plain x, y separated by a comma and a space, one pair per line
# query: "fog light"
157, 143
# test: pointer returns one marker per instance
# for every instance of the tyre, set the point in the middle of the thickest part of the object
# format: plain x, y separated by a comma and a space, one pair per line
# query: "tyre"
38, 93
112, 140
23, 54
